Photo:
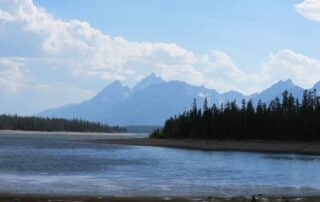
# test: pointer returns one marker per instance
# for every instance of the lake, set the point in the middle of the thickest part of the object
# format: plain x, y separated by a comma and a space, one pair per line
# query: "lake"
67, 164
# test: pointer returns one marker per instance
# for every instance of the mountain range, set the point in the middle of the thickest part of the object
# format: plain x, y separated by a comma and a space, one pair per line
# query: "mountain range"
153, 100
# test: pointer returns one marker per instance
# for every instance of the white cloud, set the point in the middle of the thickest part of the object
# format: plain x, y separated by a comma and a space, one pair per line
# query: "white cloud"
20, 94
77, 47
309, 9
6, 16
287, 64
89, 51
11, 76
221, 73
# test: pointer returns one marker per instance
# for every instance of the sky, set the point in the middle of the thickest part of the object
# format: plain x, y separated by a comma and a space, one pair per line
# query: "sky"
60, 52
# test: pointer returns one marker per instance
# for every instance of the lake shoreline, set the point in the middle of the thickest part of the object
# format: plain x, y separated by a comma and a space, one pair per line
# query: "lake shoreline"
263, 146
36, 132
66, 198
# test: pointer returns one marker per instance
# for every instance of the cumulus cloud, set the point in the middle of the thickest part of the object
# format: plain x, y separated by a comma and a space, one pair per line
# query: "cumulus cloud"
222, 73
20, 94
89, 51
11, 75
85, 52
310, 9
287, 64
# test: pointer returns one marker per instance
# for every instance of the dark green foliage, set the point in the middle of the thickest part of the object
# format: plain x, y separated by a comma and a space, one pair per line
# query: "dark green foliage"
156, 134
46, 124
281, 119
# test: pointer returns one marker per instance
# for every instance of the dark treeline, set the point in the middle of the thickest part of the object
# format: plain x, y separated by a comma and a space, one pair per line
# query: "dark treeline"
282, 119
47, 124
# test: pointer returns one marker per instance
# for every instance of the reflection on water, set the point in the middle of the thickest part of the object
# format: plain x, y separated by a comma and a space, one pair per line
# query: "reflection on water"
64, 164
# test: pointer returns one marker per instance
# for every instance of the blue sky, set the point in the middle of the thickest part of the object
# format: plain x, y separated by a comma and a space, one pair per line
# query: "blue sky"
248, 30
59, 52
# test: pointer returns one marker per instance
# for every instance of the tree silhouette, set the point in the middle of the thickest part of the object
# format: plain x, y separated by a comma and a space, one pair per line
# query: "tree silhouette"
281, 119
46, 124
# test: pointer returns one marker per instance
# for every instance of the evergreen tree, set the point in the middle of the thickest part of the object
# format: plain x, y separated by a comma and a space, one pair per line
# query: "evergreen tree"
47, 124
284, 119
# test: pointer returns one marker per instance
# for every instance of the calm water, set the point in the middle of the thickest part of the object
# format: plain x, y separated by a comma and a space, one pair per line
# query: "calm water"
63, 164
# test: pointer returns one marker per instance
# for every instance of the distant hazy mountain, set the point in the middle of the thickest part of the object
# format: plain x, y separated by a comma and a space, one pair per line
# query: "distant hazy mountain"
96, 108
232, 96
153, 100
276, 90
152, 79
317, 86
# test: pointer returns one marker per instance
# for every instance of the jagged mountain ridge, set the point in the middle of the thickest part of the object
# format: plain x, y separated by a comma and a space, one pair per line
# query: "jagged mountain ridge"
153, 100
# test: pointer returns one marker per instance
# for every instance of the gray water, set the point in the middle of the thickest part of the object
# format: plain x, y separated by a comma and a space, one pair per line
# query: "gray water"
64, 164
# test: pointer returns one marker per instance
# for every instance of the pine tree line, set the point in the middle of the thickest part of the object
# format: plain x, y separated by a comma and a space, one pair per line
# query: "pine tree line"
282, 119
47, 124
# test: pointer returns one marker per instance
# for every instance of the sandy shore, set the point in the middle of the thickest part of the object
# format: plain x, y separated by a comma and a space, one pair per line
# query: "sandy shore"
43, 198
214, 145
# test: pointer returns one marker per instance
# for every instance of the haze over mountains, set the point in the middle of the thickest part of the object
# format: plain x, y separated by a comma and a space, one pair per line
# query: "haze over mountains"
153, 100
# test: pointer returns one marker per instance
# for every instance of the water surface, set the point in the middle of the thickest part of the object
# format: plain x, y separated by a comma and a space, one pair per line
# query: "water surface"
65, 164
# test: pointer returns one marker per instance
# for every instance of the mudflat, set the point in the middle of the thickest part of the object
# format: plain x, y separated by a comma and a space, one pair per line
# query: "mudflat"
312, 148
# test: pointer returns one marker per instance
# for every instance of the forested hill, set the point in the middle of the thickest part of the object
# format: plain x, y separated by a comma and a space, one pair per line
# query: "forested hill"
50, 124
281, 119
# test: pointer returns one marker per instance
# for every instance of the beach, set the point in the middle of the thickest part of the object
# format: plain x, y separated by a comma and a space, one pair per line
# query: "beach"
312, 148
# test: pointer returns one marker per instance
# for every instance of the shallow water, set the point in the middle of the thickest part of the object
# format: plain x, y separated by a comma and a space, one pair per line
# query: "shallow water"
64, 164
